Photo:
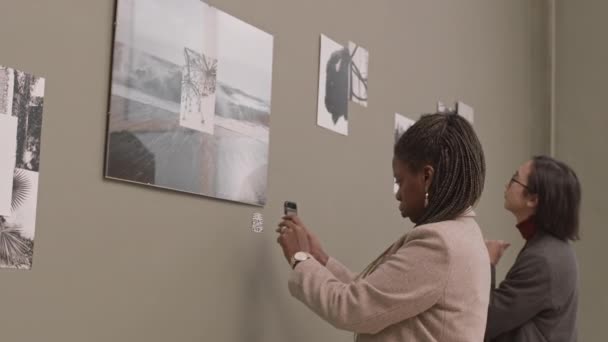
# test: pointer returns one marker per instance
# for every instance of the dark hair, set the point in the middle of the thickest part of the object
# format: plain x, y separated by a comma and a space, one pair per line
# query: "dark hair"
559, 197
449, 144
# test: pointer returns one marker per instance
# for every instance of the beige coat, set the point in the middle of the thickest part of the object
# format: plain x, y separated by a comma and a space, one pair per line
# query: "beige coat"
433, 285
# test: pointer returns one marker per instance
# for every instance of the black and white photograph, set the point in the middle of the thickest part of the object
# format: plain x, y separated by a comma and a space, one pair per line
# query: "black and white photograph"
190, 100
359, 73
465, 111
8, 146
402, 124
28, 96
18, 229
7, 82
8, 138
198, 92
334, 81
24, 127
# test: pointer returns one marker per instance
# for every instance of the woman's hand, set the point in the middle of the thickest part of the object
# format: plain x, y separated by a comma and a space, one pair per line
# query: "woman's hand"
316, 250
496, 248
293, 238
314, 244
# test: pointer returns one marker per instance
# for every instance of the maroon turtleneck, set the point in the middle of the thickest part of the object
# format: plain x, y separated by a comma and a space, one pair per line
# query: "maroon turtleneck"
527, 228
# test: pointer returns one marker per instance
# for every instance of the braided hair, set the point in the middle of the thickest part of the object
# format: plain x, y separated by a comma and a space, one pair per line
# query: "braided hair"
449, 144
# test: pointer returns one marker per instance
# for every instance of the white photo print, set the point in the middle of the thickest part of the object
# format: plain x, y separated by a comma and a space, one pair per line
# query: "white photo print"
334, 75
21, 103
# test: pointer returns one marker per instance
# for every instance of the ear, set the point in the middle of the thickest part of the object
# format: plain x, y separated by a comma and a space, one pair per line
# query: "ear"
427, 173
532, 201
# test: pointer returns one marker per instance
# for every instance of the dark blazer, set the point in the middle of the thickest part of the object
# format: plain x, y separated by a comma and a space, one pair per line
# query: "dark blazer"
538, 300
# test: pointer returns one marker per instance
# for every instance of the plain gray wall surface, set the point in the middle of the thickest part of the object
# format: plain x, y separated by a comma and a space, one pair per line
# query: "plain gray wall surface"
118, 262
582, 123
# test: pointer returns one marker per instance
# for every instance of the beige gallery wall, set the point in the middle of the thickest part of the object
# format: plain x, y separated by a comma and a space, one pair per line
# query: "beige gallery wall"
580, 140
117, 262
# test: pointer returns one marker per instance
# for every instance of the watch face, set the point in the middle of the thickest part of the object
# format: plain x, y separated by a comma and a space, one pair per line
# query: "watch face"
301, 256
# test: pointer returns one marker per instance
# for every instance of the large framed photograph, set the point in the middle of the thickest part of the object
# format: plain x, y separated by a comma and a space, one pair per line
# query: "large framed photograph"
190, 100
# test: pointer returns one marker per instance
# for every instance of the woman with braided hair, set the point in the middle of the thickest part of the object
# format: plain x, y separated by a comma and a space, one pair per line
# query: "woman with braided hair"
433, 283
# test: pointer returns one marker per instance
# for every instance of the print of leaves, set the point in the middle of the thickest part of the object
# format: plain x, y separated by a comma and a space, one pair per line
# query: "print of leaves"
21, 188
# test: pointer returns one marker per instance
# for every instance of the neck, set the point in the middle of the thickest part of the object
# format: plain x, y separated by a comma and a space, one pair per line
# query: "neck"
527, 228
522, 216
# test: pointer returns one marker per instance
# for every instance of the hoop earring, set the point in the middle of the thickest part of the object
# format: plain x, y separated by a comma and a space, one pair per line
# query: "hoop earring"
426, 200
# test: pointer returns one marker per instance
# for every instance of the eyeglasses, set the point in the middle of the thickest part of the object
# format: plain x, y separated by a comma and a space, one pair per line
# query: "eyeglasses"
514, 180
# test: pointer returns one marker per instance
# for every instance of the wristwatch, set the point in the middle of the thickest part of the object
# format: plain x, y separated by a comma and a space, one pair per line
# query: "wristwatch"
299, 257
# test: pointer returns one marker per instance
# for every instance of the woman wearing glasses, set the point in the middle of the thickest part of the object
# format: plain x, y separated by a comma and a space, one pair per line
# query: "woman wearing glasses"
538, 299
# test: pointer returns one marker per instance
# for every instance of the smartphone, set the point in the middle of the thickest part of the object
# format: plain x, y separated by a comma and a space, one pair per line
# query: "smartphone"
290, 208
